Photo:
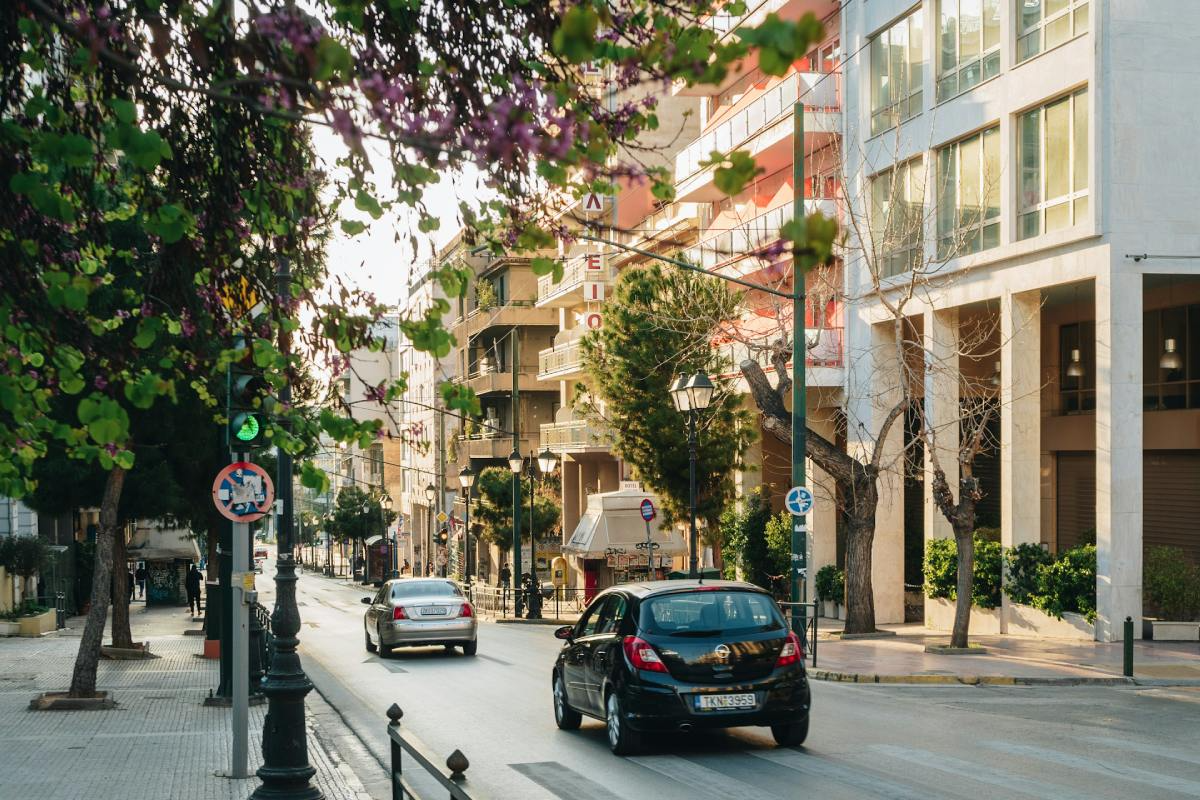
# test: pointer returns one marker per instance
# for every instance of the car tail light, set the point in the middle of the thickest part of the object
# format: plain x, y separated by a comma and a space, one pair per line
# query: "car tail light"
398, 613
466, 610
642, 655
792, 651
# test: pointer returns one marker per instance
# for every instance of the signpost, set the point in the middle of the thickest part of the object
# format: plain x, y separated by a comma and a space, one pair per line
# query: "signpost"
243, 493
648, 513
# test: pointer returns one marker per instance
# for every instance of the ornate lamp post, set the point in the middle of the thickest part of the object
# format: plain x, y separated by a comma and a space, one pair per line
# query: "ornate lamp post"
692, 395
516, 465
385, 503
430, 494
545, 464
466, 477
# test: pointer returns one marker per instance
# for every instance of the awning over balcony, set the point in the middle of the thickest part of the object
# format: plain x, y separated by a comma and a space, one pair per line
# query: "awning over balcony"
613, 521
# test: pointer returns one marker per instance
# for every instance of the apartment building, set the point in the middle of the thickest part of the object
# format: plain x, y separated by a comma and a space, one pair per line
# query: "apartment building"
1046, 148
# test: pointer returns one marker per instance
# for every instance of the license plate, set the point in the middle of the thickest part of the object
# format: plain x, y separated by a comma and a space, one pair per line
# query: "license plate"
716, 702
434, 611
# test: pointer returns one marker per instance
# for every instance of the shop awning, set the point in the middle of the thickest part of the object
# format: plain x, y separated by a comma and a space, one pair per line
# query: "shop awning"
373, 540
613, 521
152, 542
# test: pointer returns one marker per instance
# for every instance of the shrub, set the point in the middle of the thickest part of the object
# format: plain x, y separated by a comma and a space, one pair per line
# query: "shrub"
1171, 584
1068, 584
26, 556
941, 571
1024, 562
830, 584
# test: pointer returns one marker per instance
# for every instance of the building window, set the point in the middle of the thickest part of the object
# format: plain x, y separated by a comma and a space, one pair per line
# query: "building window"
968, 212
1053, 158
1045, 24
897, 63
897, 218
1077, 368
970, 45
1171, 358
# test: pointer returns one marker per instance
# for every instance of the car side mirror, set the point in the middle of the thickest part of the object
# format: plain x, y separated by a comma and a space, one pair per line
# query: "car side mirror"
366, 601
566, 632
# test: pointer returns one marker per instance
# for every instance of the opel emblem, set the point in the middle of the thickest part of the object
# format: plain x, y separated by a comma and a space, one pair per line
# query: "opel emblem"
722, 651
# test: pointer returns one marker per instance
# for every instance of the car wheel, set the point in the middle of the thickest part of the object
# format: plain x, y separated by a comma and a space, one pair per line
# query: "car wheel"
384, 650
567, 718
470, 647
622, 739
448, 647
370, 644
792, 734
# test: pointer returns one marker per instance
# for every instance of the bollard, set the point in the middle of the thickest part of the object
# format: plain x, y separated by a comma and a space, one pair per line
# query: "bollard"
1128, 647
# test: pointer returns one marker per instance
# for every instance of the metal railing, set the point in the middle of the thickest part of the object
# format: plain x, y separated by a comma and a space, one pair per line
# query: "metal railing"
575, 272
450, 775
810, 625
826, 351
566, 356
556, 600
573, 434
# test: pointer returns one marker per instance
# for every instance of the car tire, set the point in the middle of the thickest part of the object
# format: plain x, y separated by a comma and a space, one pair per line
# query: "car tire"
384, 650
622, 739
791, 734
449, 648
470, 648
565, 717
370, 644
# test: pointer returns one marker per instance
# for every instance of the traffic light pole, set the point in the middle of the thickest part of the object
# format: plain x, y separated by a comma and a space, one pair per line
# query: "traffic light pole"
518, 605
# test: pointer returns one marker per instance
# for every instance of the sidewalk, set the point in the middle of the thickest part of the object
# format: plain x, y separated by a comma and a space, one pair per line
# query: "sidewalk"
1009, 660
160, 741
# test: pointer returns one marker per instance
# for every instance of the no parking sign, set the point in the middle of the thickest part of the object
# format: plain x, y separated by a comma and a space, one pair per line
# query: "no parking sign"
243, 492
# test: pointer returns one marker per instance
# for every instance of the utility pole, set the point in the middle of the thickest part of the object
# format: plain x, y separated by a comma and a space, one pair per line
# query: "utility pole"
799, 581
285, 773
516, 480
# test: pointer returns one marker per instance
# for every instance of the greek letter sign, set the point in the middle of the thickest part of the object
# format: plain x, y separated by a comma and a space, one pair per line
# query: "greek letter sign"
243, 492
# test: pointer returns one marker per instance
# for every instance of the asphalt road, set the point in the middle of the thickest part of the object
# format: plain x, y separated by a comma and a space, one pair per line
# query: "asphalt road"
923, 743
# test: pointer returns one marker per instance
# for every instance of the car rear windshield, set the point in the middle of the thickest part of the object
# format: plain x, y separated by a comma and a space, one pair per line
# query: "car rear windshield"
425, 589
709, 613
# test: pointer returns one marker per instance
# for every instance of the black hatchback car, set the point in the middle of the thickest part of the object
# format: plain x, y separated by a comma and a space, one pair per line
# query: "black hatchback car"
681, 655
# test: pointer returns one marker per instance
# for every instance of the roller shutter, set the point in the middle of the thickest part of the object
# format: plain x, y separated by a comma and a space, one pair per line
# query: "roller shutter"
1171, 510
1075, 498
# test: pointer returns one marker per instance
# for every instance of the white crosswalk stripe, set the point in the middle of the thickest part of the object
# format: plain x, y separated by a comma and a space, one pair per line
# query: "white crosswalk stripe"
982, 773
860, 778
1190, 757
708, 782
1085, 764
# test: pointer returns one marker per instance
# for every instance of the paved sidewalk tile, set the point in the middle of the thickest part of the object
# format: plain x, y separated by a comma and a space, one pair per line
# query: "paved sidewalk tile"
160, 743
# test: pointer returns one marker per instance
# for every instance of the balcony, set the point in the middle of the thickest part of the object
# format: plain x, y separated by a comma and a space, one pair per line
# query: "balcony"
490, 446
513, 313
485, 382
561, 361
824, 361
572, 289
575, 436
764, 128
667, 226
735, 244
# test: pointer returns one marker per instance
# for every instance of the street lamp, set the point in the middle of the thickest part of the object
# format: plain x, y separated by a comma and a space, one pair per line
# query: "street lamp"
692, 395
430, 494
466, 477
385, 503
516, 465
545, 463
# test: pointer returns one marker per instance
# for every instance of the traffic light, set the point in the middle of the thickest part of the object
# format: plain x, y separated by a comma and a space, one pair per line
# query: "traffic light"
443, 536
247, 403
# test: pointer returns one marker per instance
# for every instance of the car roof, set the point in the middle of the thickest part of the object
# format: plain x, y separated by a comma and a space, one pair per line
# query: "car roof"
645, 589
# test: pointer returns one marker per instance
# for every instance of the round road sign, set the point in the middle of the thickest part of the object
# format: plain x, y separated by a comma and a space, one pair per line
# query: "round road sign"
243, 492
799, 500
647, 509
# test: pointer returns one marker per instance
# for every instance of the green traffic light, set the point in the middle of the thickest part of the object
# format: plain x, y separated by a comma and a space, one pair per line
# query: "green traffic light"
249, 428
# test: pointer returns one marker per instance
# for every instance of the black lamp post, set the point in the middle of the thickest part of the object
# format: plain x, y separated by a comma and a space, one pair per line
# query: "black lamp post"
692, 395
516, 465
545, 464
385, 503
466, 477
430, 494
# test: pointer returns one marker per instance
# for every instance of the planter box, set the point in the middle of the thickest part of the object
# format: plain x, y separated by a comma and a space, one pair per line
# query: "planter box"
939, 615
828, 609
36, 626
1029, 621
1176, 631
9, 628
841, 611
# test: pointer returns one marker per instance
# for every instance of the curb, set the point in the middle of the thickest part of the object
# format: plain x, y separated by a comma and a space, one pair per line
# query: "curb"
966, 680
511, 621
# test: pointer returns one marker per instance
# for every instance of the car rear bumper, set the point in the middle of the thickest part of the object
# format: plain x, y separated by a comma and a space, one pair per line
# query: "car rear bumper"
412, 633
780, 700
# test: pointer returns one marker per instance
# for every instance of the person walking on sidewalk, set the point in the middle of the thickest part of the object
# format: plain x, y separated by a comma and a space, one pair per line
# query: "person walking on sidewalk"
129, 583
141, 582
505, 575
193, 590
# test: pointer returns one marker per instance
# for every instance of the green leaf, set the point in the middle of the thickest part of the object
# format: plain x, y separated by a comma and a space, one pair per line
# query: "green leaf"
352, 227
124, 459
332, 59
575, 39
312, 477
105, 420
365, 202
125, 110
427, 224
733, 171
75, 150
147, 332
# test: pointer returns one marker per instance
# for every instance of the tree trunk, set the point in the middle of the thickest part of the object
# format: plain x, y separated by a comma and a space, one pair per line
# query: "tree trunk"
860, 539
965, 544
121, 635
83, 678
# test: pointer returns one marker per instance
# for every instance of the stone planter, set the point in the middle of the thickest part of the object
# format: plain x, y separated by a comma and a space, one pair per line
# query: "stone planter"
828, 609
36, 626
841, 611
1028, 621
939, 615
1165, 631
9, 628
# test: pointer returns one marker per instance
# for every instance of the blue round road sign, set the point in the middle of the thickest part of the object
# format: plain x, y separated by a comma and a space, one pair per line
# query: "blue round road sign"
799, 500
647, 509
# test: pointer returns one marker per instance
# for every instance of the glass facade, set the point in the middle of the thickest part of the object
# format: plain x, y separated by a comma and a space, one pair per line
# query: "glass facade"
1053, 161
897, 218
969, 45
897, 72
968, 201
1045, 24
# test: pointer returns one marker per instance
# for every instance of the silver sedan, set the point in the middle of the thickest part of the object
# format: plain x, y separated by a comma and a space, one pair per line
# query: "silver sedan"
416, 612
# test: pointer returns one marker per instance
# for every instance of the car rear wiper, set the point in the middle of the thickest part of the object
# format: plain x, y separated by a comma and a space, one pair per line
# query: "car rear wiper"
713, 632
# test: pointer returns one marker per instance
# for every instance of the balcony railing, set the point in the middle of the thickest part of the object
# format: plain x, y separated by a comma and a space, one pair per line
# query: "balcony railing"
575, 273
752, 235
818, 90
825, 350
576, 434
566, 358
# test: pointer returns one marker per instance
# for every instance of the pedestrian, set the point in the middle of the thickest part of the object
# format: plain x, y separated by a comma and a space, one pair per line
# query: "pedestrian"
404, 569
505, 575
129, 583
141, 582
193, 590
429, 567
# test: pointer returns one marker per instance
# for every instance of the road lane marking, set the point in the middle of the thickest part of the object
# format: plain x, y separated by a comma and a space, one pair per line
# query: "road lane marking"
493, 658
707, 781
562, 781
819, 766
1146, 748
978, 772
1124, 773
